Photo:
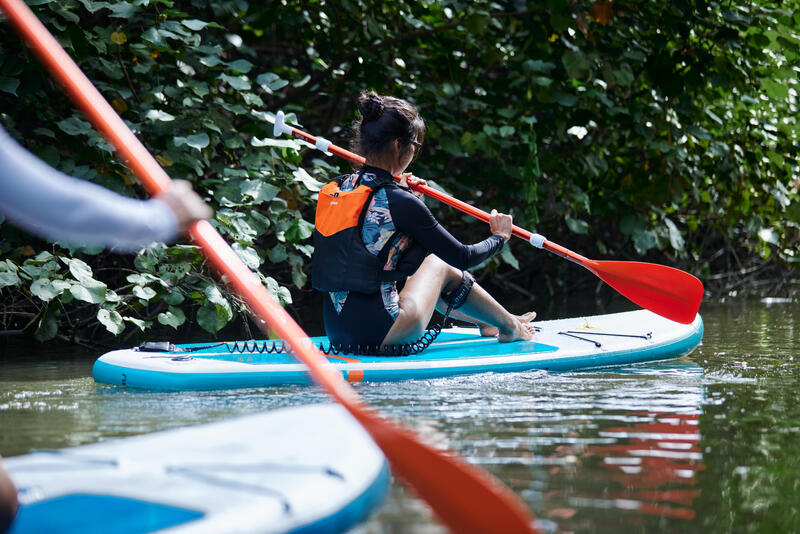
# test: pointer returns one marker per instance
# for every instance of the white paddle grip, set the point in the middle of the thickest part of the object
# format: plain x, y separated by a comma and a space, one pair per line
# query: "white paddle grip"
537, 240
323, 145
280, 126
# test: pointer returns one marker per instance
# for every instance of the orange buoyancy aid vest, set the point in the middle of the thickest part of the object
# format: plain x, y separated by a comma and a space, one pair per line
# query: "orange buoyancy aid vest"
341, 260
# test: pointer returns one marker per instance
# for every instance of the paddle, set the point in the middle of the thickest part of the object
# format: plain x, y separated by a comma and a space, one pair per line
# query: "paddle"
465, 498
667, 291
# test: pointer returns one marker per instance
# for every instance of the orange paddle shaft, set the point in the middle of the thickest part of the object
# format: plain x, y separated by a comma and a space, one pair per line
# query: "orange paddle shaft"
324, 145
464, 497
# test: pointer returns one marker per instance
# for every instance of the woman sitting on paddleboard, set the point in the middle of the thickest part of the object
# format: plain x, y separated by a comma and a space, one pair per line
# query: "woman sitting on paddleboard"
371, 233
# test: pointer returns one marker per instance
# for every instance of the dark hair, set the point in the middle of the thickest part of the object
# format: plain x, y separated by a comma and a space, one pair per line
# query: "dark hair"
384, 119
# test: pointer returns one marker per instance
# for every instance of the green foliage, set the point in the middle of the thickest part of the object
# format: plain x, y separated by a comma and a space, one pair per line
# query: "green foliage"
190, 89
666, 129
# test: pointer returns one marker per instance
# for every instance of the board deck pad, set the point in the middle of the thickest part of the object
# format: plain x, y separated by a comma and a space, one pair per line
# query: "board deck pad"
264, 473
560, 345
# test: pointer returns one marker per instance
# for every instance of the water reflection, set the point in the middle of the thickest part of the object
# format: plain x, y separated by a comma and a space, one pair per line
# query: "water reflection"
654, 457
630, 459
655, 461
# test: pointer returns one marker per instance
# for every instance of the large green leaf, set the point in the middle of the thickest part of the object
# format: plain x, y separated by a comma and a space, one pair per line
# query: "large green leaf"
775, 89
300, 230
577, 225
259, 190
173, 317
311, 183
9, 85
47, 328
92, 294
279, 143
212, 318
508, 257
675, 238
576, 64
240, 83
8, 278
81, 271
194, 24
248, 255
112, 320
143, 292
196, 141
214, 296
44, 289
270, 82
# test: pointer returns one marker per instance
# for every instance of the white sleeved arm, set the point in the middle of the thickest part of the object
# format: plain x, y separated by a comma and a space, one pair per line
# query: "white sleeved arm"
55, 206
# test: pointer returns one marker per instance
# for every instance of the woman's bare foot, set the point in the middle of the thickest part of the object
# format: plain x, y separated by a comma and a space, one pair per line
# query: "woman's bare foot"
488, 330
522, 332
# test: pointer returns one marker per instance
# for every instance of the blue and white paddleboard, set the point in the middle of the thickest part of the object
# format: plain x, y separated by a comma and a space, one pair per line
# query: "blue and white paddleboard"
304, 469
560, 345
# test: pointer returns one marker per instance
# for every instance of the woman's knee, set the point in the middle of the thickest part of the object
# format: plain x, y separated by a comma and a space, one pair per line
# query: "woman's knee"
408, 325
431, 263
446, 272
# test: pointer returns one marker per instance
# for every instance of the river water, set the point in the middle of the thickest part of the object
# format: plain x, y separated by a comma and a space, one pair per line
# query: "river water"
707, 443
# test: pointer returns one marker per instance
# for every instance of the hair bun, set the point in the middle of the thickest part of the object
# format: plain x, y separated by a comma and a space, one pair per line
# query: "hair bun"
370, 104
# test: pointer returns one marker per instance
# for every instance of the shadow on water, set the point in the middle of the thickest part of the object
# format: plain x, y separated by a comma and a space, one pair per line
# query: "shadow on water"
707, 443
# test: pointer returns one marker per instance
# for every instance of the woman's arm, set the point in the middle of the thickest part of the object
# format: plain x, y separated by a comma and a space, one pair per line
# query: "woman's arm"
414, 218
51, 204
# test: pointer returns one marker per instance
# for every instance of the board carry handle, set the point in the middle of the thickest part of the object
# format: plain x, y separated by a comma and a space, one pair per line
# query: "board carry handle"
465, 498
664, 290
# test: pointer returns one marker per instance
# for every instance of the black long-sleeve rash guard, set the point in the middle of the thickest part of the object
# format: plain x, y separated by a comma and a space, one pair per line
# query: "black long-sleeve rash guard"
412, 217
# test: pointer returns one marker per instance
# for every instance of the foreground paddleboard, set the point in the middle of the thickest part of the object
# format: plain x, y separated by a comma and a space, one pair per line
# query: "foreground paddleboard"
304, 469
560, 345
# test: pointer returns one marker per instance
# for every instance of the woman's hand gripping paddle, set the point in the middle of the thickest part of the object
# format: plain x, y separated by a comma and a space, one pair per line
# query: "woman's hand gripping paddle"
465, 498
667, 291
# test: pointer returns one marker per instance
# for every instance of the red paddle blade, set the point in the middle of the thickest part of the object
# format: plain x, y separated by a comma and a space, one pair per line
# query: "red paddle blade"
467, 499
667, 291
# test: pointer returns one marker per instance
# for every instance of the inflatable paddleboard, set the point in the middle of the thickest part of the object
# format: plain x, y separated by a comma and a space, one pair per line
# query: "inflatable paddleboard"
304, 469
560, 345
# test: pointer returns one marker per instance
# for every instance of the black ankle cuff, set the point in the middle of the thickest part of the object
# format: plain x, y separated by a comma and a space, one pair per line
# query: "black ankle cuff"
457, 297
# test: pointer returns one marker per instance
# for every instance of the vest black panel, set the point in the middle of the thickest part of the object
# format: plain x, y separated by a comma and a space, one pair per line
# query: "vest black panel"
342, 262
